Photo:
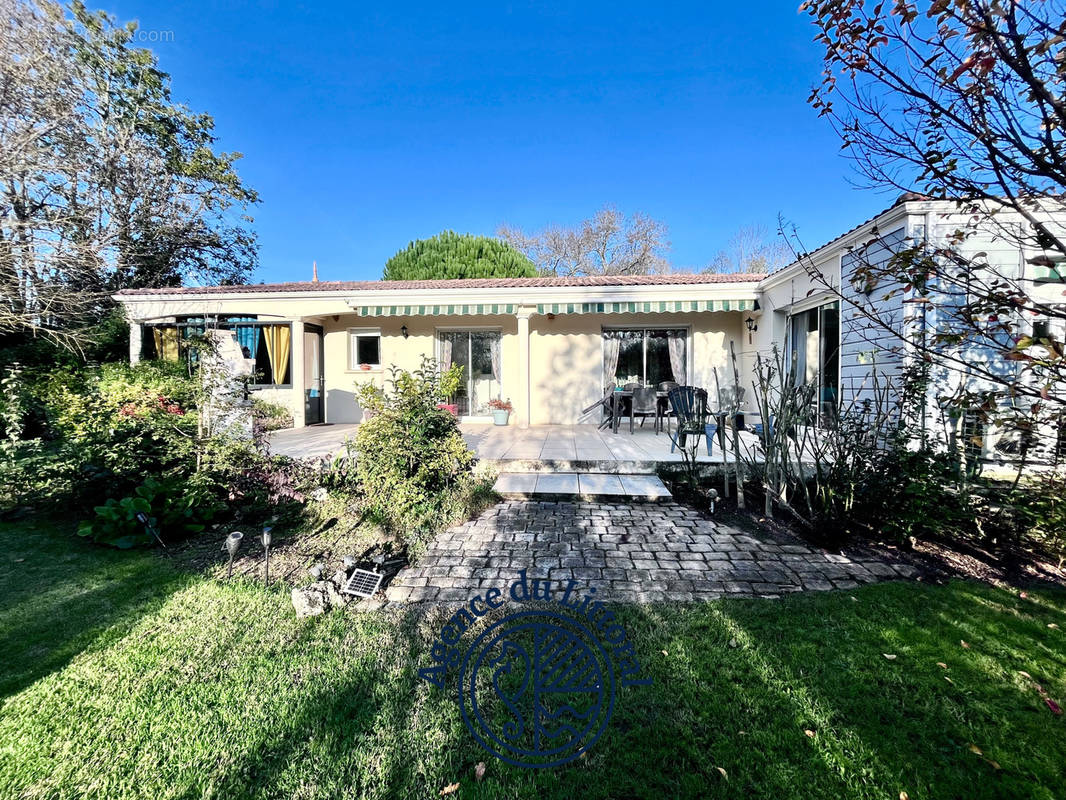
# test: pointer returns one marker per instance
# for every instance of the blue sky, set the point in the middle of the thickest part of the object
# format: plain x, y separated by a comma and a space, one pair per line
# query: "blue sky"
367, 125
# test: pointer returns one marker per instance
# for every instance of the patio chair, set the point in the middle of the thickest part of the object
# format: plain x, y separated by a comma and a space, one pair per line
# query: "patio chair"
604, 403
664, 402
689, 404
645, 404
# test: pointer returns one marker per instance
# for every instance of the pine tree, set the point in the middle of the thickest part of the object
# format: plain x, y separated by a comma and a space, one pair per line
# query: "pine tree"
451, 256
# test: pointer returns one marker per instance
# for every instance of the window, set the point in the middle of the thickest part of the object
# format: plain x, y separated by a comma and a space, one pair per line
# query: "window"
268, 344
648, 356
364, 348
1042, 328
814, 353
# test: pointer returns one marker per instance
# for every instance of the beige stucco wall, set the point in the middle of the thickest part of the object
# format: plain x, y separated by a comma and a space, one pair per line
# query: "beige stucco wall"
340, 381
566, 357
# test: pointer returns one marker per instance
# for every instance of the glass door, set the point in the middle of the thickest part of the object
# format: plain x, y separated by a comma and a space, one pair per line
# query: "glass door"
312, 375
478, 353
814, 350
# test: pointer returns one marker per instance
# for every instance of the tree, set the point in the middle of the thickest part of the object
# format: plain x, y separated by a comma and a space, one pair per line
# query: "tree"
450, 256
751, 249
607, 244
961, 101
105, 182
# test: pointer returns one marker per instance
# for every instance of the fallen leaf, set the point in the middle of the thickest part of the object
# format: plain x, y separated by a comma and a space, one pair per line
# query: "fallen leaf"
1055, 708
854, 599
889, 656
995, 764
1053, 626
904, 796
949, 680
724, 773
963, 643
1023, 595
732, 642
665, 653
479, 771
809, 732
975, 749
941, 664
19, 560
451, 788
1025, 674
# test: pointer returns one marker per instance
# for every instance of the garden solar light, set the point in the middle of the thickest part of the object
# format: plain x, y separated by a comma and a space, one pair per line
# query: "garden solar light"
232, 545
266, 549
149, 525
350, 561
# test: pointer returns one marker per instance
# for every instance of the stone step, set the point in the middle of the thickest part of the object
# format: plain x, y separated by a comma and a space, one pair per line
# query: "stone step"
562, 465
597, 486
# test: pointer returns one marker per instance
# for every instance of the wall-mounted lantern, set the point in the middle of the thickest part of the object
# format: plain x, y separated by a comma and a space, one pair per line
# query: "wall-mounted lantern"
752, 327
403, 330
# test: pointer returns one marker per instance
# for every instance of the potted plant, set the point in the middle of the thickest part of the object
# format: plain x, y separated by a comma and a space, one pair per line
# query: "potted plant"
365, 367
501, 409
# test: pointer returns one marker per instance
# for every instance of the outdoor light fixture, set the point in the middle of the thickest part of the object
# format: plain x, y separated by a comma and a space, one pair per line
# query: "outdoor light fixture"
350, 562
231, 546
752, 327
266, 551
403, 330
149, 526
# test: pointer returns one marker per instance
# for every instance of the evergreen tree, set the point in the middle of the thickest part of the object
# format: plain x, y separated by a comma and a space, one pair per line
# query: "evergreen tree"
451, 256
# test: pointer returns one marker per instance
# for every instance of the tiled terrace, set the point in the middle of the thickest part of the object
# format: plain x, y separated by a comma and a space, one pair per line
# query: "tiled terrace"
542, 443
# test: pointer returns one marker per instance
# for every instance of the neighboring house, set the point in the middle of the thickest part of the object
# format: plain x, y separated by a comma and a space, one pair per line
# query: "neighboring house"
809, 311
553, 345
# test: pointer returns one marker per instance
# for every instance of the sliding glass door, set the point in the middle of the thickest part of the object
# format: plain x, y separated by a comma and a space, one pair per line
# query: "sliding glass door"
648, 356
478, 353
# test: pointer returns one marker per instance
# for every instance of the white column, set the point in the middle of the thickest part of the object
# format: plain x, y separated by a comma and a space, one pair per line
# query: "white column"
298, 388
135, 340
523, 367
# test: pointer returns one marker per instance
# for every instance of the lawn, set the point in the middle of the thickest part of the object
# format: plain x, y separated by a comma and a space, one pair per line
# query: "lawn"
125, 677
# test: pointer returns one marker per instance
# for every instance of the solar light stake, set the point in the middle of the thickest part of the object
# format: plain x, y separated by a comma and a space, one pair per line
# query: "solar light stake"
266, 548
232, 545
150, 527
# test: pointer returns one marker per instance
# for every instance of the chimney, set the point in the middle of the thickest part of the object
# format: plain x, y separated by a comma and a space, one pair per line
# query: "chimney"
314, 272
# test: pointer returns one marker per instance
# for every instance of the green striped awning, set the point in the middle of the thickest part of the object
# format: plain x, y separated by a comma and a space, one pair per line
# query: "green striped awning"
437, 310
646, 307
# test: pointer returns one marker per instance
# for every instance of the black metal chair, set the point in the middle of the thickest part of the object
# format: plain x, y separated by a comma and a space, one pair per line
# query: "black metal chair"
689, 404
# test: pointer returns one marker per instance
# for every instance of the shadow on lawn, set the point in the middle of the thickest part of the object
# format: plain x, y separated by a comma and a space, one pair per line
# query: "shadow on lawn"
60, 594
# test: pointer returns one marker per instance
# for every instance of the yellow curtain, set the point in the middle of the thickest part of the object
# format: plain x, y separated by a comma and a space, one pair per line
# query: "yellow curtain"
278, 339
166, 343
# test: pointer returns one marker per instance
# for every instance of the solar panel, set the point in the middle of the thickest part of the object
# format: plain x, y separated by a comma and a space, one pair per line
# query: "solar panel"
363, 583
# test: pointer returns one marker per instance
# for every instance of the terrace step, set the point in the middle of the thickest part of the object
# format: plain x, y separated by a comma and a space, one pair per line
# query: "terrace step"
557, 465
593, 486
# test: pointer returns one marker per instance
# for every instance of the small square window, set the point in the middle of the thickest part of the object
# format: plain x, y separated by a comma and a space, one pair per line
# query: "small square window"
364, 349
1042, 329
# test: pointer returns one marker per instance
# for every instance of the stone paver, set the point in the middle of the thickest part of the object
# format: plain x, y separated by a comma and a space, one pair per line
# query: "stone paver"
640, 552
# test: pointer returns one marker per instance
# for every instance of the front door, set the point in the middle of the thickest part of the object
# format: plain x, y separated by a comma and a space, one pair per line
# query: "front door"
312, 374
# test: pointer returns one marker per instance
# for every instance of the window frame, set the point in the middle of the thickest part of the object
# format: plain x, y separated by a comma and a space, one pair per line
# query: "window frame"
353, 350
687, 328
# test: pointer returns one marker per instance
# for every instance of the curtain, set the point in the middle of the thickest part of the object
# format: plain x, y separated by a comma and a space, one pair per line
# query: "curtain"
445, 352
166, 343
611, 344
278, 343
248, 339
676, 342
494, 353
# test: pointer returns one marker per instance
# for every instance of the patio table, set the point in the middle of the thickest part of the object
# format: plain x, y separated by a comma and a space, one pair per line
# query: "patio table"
617, 405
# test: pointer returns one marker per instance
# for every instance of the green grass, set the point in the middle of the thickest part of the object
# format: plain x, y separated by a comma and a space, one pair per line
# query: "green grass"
122, 677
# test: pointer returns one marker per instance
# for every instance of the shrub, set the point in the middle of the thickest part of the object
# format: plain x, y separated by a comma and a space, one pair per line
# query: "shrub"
413, 468
172, 510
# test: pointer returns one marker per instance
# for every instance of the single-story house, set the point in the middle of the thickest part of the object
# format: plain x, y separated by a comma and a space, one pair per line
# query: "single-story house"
553, 345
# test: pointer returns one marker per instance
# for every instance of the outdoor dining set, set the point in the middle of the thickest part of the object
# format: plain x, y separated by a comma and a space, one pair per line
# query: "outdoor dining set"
680, 411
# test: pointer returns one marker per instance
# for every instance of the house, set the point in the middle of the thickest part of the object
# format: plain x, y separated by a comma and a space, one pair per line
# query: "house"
549, 345
553, 345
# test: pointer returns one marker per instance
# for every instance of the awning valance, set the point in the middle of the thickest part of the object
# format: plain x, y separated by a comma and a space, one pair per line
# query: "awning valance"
465, 309
628, 307
646, 307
